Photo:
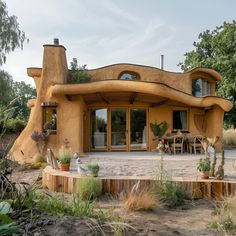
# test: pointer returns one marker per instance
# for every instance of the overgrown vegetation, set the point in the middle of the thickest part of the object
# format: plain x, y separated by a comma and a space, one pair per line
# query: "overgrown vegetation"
78, 73
89, 188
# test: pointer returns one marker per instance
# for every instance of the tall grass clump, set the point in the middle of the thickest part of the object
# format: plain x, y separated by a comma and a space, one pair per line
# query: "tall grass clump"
169, 192
224, 217
229, 137
88, 188
144, 200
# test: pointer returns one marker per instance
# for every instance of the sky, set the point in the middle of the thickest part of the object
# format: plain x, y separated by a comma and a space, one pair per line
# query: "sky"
103, 32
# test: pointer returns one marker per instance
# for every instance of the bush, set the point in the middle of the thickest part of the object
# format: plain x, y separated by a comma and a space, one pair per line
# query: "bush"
229, 137
93, 168
89, 188
144, 200
15, 125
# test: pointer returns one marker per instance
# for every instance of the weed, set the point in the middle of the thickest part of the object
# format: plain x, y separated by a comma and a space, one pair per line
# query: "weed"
89, 188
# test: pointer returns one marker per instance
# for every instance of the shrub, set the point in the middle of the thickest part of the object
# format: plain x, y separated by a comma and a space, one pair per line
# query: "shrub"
78, 74
15, 125
229, 137
144, 200
65, 155
89, 188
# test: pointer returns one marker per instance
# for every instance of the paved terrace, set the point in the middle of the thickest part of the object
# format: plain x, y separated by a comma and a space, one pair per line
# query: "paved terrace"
147, 164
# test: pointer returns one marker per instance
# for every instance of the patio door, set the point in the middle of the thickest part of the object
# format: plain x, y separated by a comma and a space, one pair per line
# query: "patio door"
119, 129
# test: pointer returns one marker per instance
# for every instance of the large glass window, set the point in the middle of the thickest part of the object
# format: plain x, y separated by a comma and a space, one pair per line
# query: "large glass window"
138, 134
179, 120
129, 76
50, 119
98, 129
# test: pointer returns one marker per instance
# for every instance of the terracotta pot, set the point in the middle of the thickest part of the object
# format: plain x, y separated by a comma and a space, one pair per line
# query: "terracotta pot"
65, 167
204, 175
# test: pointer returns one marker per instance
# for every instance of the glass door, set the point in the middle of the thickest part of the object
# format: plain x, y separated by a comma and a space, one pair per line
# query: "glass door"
118, 129
138, 129
98, 129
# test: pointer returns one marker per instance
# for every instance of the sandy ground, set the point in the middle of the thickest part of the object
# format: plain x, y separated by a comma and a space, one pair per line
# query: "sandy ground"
148, 164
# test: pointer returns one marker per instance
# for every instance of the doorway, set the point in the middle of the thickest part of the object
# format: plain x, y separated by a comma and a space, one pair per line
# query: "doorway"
118, 129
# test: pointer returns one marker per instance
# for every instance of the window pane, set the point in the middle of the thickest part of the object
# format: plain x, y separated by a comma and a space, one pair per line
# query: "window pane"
197, 87
207, 88
118, 128
49, 119
129, 76
138, 133
98, 136
180, 120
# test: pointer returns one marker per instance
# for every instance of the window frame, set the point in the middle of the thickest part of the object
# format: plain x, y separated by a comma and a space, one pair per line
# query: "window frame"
131, 73
204, 83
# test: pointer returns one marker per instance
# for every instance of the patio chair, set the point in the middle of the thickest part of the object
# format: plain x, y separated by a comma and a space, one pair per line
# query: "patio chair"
178, 144
51, 159
196, 145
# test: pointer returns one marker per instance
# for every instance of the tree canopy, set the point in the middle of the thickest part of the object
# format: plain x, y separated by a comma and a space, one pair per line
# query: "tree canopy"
11, 36
217, 49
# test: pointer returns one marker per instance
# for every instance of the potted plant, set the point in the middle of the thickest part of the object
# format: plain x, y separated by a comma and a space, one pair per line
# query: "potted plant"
159, 130
93, 169
204, 166
64, 157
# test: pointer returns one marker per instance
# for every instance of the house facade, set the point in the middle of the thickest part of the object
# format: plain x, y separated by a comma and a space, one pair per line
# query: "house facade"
114, 110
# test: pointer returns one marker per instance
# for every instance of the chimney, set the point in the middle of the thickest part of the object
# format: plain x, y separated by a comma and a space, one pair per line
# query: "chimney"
56, 41
162, 62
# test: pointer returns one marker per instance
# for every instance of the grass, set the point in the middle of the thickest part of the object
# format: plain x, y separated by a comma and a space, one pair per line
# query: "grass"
229, 137
145, 200
224, 216
89, 188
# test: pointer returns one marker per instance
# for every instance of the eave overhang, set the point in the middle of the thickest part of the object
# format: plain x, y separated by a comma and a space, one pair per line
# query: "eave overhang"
152, 88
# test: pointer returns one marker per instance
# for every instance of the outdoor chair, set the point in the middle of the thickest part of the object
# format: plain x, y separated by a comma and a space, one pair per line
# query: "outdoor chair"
178, 144
51, 159
196, 145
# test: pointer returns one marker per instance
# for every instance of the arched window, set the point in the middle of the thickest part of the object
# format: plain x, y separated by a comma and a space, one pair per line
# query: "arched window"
201, 87
128, 75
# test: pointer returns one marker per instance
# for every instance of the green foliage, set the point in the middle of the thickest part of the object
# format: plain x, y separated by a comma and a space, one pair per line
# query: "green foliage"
168, 191
159, 130
11, 35
65, 155
93, 167
8, 229
204, 165
89, 188
217, 49
15, 125
78, 74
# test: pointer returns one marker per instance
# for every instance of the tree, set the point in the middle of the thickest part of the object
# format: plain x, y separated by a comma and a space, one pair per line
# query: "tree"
24, 92
11, 36
6, 90
217, 49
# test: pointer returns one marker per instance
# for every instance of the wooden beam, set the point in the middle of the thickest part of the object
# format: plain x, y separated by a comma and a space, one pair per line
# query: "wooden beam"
159, 103
99, 95
68, 97
133, 97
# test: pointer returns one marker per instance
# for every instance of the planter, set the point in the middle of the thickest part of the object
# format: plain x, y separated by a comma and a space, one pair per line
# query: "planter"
204, 175
65, 167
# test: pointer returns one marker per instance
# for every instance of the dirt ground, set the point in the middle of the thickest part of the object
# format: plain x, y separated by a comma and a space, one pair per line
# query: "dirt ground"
189, 220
